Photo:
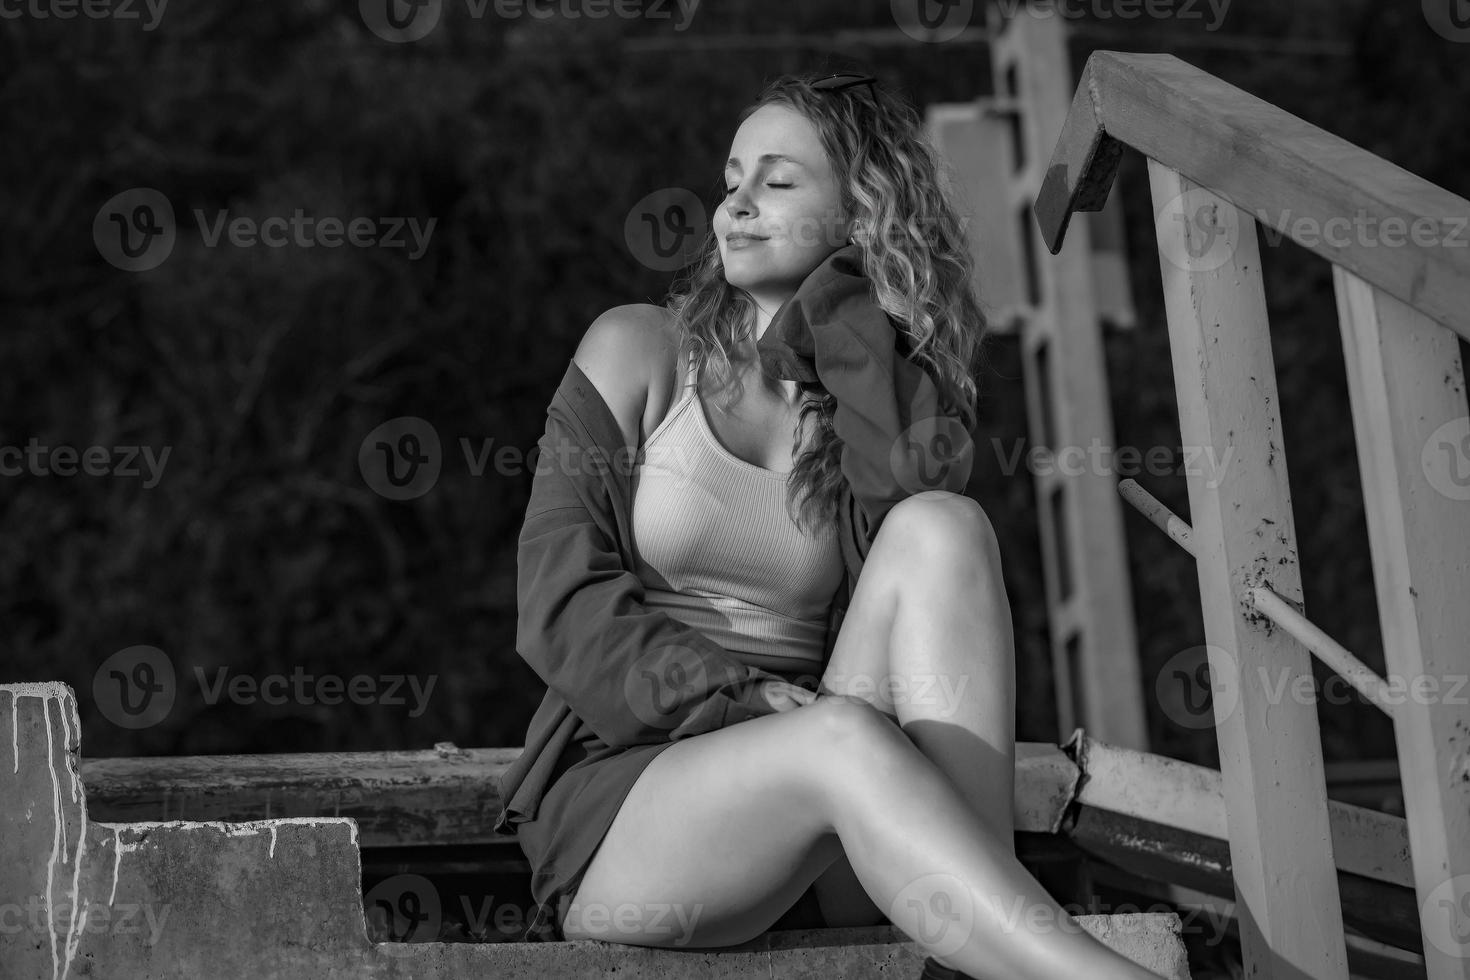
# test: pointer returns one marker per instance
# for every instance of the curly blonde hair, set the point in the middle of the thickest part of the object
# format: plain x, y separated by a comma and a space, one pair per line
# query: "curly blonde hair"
914, 252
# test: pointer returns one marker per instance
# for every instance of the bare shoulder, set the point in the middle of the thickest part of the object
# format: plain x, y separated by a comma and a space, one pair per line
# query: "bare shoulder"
626, 353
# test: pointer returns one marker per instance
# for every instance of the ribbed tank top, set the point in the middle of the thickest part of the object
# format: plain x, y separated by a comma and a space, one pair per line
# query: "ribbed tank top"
716, 549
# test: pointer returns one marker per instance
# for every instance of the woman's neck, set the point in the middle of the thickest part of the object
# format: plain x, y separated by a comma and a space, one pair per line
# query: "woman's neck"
766, 308
764, 313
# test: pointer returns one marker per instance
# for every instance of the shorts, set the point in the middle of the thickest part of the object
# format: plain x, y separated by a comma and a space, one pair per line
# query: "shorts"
574, 817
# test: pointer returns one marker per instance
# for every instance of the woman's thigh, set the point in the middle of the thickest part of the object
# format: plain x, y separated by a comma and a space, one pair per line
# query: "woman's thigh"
721, 833
861, 661
860, 664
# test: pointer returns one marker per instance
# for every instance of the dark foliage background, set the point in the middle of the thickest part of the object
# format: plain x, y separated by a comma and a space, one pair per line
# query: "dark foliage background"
262, 550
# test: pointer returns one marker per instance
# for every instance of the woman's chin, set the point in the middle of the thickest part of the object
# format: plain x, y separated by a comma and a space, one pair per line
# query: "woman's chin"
737, 281
742, 278
756, 279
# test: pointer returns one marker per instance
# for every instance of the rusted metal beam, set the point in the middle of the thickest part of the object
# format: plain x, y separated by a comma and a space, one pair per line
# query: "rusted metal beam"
1362, 677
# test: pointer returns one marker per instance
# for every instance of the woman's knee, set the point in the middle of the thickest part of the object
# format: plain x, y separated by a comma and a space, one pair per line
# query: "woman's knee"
939, 526
844, 719
852, 739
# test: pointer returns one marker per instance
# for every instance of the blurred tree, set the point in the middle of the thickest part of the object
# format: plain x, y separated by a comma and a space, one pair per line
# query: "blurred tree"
261, 370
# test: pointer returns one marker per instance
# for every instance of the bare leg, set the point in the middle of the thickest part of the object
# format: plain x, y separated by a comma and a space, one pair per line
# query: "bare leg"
928, 640
953, 886
724, 830
930, 609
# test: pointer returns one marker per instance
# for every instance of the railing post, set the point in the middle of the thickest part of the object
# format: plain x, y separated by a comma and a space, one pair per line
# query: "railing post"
1244, 535
1409, 416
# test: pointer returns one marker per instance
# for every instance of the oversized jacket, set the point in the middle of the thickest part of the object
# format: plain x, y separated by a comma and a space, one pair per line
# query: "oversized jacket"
636, 675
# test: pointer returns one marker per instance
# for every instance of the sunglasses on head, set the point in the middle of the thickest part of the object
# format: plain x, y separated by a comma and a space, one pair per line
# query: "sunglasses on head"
845, 80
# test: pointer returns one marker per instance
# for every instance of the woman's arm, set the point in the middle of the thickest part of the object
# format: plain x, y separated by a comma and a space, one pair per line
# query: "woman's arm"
897, 438
633, 674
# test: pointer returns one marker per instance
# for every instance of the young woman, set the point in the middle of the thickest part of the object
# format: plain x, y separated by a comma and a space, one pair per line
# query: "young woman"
739, 724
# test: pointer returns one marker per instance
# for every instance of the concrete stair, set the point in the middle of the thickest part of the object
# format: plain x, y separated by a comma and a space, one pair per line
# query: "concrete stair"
283, 898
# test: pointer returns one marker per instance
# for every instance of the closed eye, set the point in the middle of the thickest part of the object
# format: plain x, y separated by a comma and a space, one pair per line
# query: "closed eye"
731, 190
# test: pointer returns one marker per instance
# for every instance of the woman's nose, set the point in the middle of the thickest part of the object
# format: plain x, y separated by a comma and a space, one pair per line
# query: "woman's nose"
739, 203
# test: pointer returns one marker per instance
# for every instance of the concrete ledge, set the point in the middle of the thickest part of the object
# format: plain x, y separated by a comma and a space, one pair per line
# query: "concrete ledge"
1150, 939
157, 899
282, 898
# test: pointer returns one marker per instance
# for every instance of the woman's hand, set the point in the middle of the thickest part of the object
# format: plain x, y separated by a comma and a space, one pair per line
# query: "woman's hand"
785, 696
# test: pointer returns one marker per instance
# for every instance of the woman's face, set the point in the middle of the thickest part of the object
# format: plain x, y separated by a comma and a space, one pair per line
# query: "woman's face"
781, 215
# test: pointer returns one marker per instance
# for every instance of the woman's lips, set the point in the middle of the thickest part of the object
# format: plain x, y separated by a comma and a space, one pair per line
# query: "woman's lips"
742, 240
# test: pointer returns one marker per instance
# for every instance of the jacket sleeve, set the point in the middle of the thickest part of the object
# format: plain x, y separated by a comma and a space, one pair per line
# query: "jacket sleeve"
898, 438
634, 675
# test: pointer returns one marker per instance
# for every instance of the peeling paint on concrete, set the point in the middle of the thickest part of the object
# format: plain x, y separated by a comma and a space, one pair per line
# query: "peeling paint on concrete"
71, 732
57, 819
118, 848
244, 828
74, 928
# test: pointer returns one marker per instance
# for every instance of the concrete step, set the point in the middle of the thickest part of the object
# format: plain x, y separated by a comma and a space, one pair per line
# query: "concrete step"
283, 897
1150, 939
